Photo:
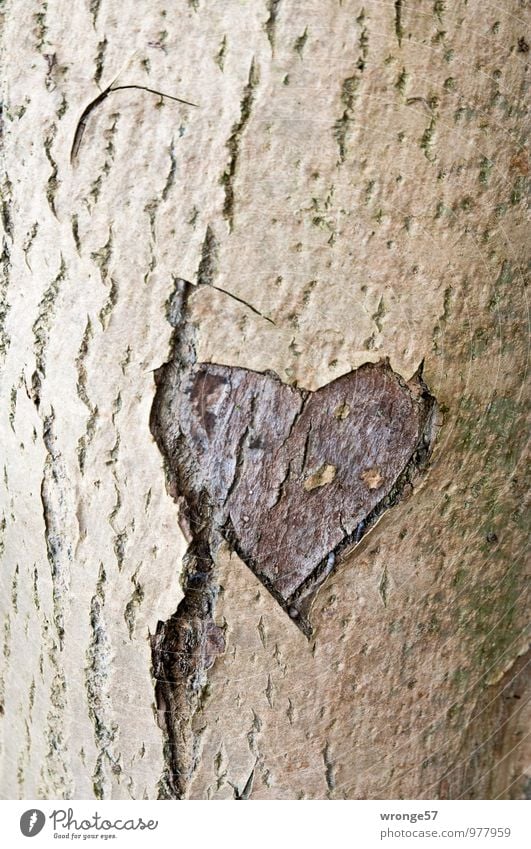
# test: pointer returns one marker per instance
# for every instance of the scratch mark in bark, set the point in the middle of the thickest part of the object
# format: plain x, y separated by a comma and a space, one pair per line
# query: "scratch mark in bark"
300, 42
85, 115
349, 94
270, 24
51, 185
240, 457
81, 387
80, 365
5, 265
209, 259
5, 209
252, 734
280, 489
6, 646
41, 28
94, 10
329, 768
220, 58
170, 179
245, 304
6, 651
248, 787
208, 269
383, 586
35, 589
75, 233
269, 692
363, 41
290, 712
133, 604
3, 525
399, 30
426, 141
261, 632
96, 185
29, 242
109, 304
42, 324
102, 257
13, 407
439, 7
100, 57
234, 143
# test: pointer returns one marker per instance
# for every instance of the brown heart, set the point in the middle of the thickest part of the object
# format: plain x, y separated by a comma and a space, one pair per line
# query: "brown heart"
290, 477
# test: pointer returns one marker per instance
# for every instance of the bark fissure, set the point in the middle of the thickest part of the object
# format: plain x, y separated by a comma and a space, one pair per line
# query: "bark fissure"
185, 645
42, 325
97, 685
58, 547
5, 263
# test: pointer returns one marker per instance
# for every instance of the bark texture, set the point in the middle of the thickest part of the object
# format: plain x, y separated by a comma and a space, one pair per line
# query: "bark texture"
348, 188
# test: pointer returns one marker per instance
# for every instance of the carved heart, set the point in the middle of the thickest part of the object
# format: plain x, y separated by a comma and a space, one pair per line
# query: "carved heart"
292, 477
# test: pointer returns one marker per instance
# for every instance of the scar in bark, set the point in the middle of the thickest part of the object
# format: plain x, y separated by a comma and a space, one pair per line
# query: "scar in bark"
291, 479
286, 476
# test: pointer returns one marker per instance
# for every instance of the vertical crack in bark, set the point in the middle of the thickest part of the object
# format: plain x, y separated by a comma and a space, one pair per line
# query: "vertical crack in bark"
185, 646
55, 772
97, 682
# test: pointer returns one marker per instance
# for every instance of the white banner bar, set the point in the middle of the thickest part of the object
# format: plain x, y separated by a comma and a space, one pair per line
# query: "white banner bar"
223, 825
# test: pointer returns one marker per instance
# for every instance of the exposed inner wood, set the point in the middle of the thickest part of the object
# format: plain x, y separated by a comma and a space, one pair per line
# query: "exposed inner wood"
288, 482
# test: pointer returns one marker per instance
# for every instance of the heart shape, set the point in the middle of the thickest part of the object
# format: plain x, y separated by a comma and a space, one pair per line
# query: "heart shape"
290, 477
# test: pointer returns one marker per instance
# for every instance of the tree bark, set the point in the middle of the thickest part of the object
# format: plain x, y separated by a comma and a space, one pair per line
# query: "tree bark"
345, 184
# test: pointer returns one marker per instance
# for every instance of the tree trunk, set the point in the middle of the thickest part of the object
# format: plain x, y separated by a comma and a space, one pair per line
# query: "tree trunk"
348, 187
